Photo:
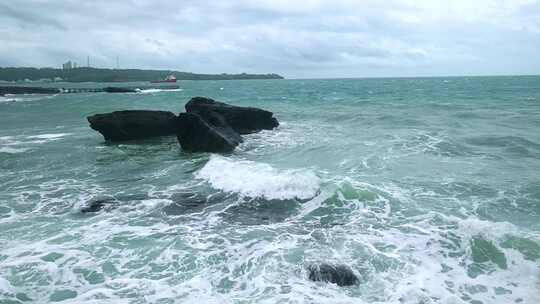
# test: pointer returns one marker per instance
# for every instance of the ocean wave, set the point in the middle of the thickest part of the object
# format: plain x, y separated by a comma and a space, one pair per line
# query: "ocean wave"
6, 99
435, 144
286, 136
494, 141
11, 150
252, 179
132, 256
418, 213
9, 98
48, 136
20, 144
510, 145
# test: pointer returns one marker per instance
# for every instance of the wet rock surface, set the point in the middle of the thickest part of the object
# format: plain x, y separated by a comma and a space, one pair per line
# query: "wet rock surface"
244, 120
198, 135
341, 275
207, 126
134, 124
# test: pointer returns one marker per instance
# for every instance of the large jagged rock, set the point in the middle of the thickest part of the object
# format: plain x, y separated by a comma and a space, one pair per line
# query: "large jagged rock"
27, 90
208, 125
244, 120
211, 134
134, 124
337, 274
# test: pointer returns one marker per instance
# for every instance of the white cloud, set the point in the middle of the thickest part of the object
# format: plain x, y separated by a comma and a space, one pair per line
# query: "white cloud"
309, 38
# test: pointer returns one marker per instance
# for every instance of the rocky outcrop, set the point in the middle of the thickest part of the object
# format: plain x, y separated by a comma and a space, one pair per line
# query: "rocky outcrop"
27, 90
118, 90
244, 120
207, 126
338, 274
134, 124
212, 134
212, 126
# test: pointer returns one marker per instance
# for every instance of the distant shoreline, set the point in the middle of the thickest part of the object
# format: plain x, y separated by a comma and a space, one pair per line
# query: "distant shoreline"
88, 74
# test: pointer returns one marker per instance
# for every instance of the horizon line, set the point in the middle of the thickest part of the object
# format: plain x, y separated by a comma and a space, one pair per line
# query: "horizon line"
291, 78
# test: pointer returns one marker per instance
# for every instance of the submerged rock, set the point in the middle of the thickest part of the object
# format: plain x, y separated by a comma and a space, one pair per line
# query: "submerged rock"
260, 211
133, 124
338, 274
118, 90
97, 205
109, 202
244, 120
212, 134
185, 203
27, 90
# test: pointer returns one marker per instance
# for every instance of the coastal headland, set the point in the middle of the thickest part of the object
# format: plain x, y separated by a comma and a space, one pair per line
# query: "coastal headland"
90, 74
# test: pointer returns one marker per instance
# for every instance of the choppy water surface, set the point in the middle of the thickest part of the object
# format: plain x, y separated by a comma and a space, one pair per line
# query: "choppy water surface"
429, 189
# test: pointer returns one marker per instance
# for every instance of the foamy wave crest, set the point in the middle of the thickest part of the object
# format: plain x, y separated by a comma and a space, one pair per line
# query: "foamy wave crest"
24, 97
52, 136
20, 144
252, 179
148, 91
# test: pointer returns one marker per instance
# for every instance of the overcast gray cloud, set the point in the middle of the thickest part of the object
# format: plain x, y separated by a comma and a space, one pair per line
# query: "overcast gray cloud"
308, 38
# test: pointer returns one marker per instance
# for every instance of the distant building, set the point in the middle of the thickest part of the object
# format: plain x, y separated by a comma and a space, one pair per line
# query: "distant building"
69, 65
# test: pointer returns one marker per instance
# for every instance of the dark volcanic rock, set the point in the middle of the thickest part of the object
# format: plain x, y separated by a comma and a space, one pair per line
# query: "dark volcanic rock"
118, 90
243, 120
134, 124
212, 134
337, 274
110, 202
28, 90
97, 205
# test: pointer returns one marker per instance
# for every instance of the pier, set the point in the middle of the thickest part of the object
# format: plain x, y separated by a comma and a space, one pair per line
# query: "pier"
80, 90
17, 90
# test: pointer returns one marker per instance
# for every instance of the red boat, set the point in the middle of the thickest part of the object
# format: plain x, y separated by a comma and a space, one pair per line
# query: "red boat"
170, 78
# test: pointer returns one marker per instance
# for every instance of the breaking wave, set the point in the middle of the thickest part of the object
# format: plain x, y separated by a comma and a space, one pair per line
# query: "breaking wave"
252, 179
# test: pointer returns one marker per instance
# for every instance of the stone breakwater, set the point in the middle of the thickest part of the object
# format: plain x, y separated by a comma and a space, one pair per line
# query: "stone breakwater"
21, 90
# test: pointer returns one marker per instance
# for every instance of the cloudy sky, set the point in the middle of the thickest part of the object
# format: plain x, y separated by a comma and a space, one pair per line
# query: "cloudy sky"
298, 39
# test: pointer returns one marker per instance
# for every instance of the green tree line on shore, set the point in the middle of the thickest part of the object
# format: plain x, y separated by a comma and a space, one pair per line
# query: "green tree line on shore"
86, 74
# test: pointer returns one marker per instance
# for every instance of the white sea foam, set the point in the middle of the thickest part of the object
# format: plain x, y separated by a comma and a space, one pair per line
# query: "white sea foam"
252, 179
7, 144
430, 276
146, 260
11, 150
5, 99
149, 91
20, 144
6, 287
51, 136
24, 97
287, 135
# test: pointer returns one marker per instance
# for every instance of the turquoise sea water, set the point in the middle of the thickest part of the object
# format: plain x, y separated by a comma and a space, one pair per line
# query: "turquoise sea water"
428, 188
